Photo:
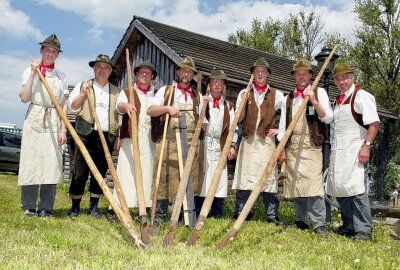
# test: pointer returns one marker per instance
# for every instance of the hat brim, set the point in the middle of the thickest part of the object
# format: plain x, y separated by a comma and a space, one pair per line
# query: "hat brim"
293, 71
341, 73
45, 44
92, 63
252, 69
136, 69
187, 67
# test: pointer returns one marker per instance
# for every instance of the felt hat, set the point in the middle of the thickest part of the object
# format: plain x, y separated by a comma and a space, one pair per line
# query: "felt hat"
52, 41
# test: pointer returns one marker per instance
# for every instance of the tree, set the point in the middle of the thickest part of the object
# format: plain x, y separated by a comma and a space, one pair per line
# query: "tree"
294, 37
376, 57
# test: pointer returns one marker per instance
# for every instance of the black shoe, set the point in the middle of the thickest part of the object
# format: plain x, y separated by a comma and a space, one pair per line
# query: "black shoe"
362, 236
30, 213
301, 225
73, 212
95, 212
344, 231
322, 231
275, 220
44, 213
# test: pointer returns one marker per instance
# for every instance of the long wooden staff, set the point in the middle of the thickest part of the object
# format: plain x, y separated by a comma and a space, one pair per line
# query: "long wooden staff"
169, 90
117, 183
169, 237
144, 226
271, 164
218, 170
186, 216
107, 193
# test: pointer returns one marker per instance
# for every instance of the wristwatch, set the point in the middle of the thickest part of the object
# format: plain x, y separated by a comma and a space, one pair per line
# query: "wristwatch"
368, 143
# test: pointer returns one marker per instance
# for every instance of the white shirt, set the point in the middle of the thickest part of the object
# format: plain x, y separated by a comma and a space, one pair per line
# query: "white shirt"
102, 100
323, 99
279, 97
123, 98
364, 103
53, 73
179, 97
221, 107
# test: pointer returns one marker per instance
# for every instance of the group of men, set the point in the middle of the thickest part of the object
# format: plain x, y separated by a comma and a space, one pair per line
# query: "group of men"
354, 119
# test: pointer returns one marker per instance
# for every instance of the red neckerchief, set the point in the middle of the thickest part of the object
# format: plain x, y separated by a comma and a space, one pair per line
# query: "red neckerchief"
300, 92
43, 67
187, 91
341, 99
143, 90
216, 102
260, 89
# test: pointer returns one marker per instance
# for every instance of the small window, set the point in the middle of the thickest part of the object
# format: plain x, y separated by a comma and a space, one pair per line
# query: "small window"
11, 140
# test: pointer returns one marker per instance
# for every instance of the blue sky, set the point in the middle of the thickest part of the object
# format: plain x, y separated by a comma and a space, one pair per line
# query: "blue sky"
87, 28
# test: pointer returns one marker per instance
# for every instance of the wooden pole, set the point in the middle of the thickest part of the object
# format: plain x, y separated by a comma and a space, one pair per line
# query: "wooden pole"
170, 91
169, 237
107, 193
271, 164
218, 170
144, 226
117, 183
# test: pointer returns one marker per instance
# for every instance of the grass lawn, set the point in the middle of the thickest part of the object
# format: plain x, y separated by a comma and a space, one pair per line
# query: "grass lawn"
86, 243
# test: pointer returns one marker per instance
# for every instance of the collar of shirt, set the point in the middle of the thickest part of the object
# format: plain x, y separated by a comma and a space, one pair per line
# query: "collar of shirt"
258, 93
104, 88
213, 100
304, 91
350, 91
149, 91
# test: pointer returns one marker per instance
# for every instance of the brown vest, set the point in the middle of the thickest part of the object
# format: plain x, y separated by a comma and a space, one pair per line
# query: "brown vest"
125, 131
267, 114
85, 119
315, 126
157, 123
357, 116
225, 121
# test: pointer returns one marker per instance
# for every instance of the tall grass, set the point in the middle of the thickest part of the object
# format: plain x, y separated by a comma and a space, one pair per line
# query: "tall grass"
87, 243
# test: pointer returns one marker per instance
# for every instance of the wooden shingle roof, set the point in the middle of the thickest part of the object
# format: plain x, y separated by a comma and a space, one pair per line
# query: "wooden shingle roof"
209, 52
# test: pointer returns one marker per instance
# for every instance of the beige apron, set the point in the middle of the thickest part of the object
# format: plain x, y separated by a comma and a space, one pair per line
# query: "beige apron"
41, 156
169, 181
346, 174
213, 153
125, 168
254, 155
304, 162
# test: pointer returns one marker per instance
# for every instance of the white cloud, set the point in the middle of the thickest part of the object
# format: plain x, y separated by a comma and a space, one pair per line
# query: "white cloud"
16, 24
186, 14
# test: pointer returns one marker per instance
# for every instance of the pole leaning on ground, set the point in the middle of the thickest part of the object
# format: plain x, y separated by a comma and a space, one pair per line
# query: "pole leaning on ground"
117, 183
218, 171
169, 90
270, 166
107, 193
144, 226
169, 237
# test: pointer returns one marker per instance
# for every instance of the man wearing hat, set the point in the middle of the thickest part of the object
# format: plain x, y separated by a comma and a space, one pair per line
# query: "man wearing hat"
355, 125
143, 95
184, 101
219, 116
104, 96
258, 143
303, 153
40, 167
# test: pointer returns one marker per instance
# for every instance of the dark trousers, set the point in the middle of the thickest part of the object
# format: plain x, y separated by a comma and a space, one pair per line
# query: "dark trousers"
29, 195
270, 200
216, 207
81, 172
356, 213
